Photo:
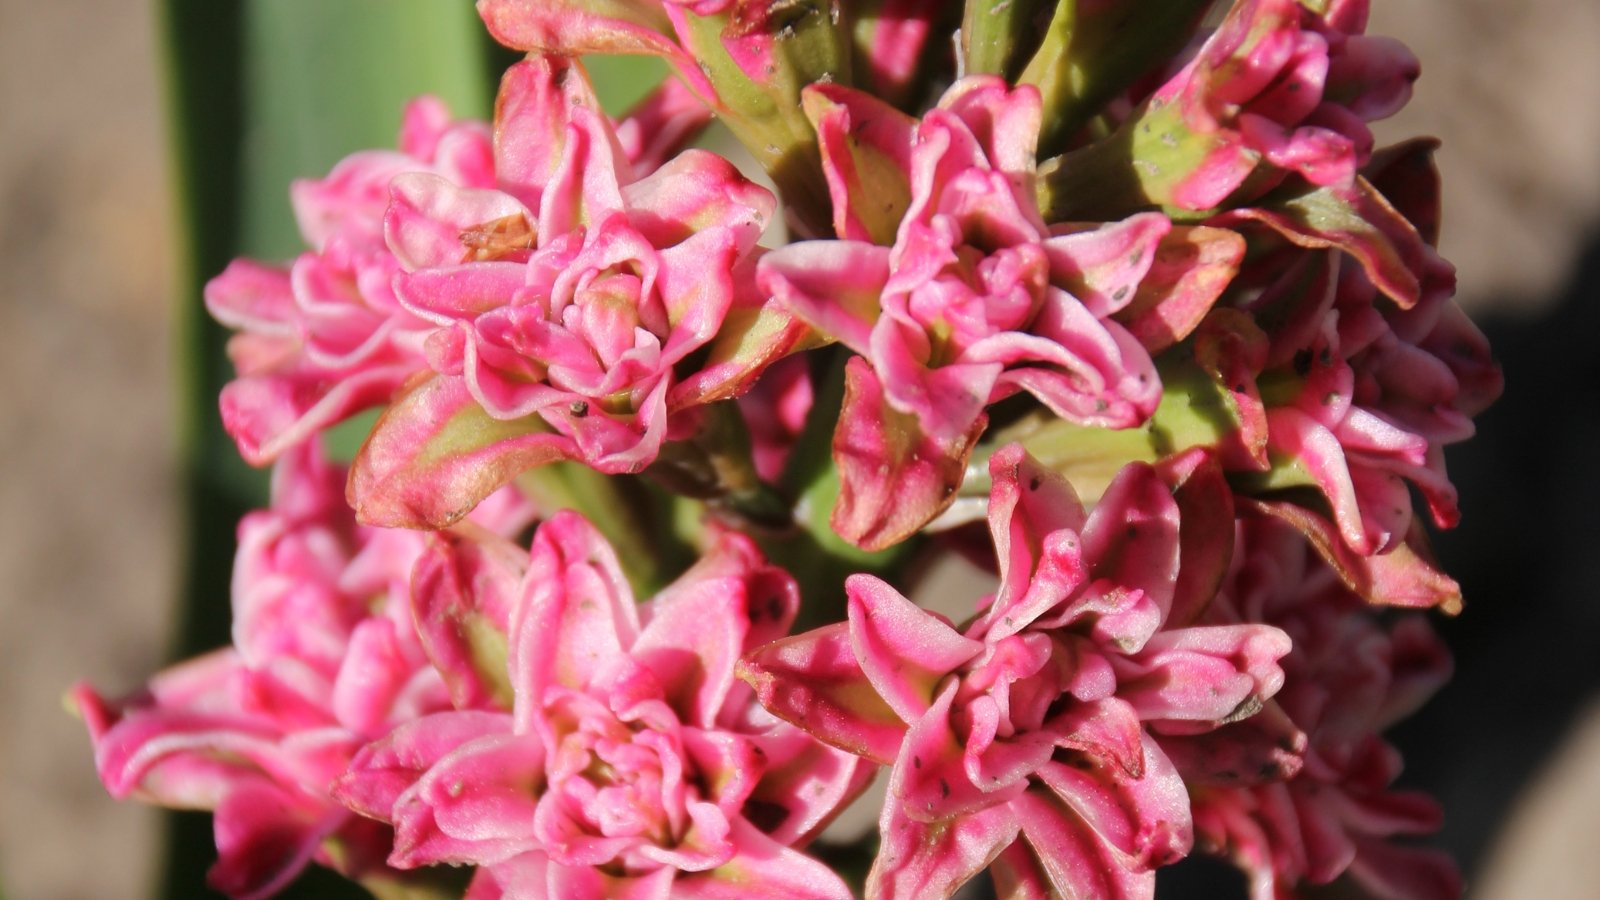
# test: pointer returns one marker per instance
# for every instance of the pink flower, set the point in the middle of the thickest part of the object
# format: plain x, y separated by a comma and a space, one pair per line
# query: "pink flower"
696, 36
1358, 393
976, 300
326, 338
631, 760
775, 411
569, 302
1348, 678
325, 658
1038, 717
1280, 86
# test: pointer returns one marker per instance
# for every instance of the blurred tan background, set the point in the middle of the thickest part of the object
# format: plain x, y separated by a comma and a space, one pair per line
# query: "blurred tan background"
88, 525
88, 531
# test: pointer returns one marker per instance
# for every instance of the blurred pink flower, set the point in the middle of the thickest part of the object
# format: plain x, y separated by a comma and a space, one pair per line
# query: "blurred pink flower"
326, 338
1349, 677
325, 658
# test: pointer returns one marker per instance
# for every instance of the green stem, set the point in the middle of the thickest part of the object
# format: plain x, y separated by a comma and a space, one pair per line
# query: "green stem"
1091, 55
1088, 457
612, 503
815, 555
1195, 411
993, 32
1138, 167
716, 465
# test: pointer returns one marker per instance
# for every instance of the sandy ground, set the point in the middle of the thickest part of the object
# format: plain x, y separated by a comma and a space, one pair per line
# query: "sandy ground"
88, 531
87, 526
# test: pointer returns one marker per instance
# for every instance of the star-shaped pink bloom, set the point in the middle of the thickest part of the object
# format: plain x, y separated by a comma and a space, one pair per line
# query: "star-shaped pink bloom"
631, 761
326, 337
952, 288
1037, 718
569, 300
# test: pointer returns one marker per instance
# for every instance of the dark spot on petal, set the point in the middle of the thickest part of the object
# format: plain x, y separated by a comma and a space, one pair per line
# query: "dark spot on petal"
1121, 292
1302, 363
944, 789
916, 762
579, 409
1033, 483
764, 814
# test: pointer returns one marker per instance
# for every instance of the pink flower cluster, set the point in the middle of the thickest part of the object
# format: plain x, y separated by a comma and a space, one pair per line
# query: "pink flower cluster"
325, 658
1171, 327
1040, 717
1347, 678
630, 760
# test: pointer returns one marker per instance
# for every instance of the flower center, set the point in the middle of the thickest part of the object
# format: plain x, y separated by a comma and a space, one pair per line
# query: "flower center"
614, 785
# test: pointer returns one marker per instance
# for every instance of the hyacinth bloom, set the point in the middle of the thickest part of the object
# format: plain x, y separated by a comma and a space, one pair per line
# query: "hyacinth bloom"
1037, 717
1367, 401
1052, 250
326, 338
631, 761
976, 299
1348, 678
325, 658
1409, 378
1354, 367
1277, 89
564, 298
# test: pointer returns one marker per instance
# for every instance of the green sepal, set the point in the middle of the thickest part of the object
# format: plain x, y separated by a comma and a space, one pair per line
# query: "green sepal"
810, 44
